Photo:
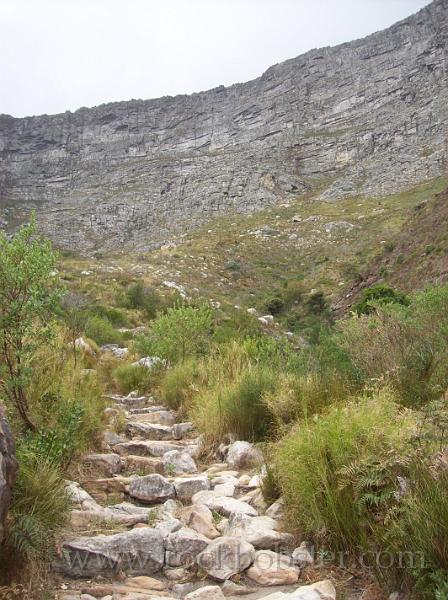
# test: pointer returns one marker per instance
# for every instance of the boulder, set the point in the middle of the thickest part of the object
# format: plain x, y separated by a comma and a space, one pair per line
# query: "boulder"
183, 546
303, 555
180, 430
243, 455
8, 468
149, 362
258, 531
200, 518
277, 509
225, 489
136, 552
225, 557
222, 504
178, 461
105, 465
187, 487
151, 489
208, 592
230, 588
321, 590
271, 568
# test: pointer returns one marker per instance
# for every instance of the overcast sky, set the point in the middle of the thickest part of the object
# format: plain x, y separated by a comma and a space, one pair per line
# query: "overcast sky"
58, 55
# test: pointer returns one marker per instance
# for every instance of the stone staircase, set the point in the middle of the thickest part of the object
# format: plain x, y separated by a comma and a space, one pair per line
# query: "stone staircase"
149, 521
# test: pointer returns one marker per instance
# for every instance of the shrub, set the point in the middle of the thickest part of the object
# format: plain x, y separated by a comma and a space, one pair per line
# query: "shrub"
142, 298
338, 471
129, 378
274, 305
403, 346
379, 293
27, 301
101, 331
184, 331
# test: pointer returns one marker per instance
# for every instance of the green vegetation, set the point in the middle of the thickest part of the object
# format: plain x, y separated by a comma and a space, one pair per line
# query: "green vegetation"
379, 293
54, 407
183, 331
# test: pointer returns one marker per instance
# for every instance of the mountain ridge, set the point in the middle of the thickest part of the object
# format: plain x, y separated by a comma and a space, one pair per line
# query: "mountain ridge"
364, 118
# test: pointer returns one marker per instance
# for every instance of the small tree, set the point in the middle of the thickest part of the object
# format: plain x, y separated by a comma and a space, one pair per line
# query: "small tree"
379, 293
75, 315
183, 331
26, 303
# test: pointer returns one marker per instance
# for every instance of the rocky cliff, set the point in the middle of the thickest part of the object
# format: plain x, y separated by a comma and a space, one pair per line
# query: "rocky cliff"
367, 118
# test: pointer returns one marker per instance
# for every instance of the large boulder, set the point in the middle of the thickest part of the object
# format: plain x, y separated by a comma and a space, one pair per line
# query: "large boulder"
178, 461
187, 487
271, 568
183, 546
243, 455
8, 468
151, 489
223, 504
225, 557
200, 518
135, 552
258, 531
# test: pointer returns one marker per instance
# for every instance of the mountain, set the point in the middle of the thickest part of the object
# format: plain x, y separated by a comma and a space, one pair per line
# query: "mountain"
366, 118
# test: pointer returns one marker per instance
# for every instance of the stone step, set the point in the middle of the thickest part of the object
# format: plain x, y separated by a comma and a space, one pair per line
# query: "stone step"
147, 448
148, 431
158, 417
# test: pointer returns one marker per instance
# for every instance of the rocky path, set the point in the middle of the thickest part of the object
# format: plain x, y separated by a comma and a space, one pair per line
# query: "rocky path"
149, 522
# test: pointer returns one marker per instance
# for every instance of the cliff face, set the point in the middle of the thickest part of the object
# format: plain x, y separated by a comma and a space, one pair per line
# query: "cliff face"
368, 117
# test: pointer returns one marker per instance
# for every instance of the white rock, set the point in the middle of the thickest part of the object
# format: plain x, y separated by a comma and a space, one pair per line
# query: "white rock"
151, 488
183, 546
243, 455
136, 552
200, 518
258, 531
271, 568
223, 505
187, 487
302, 556
177, 461
226, 557
225, 489
277, 509
208, 592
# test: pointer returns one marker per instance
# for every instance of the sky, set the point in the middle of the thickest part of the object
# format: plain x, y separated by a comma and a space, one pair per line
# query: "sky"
58, 55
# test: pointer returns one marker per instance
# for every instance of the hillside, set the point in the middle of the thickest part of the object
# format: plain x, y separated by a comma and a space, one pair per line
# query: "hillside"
367, 118
415, 257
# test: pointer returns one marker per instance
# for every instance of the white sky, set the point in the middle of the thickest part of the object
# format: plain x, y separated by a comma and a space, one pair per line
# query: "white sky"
58, 55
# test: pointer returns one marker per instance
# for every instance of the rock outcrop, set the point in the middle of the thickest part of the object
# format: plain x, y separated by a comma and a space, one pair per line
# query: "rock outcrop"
367, 117
8, 468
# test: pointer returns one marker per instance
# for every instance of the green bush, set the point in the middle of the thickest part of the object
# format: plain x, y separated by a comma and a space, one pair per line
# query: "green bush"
338, 472
402, 346
101, 331
128, 378
183, 331
143, 298
379, 293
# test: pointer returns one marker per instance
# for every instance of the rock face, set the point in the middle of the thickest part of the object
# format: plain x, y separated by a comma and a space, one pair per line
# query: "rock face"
366, 117
8, 468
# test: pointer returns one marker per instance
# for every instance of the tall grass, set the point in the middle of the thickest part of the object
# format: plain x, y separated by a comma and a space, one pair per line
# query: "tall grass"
336, 470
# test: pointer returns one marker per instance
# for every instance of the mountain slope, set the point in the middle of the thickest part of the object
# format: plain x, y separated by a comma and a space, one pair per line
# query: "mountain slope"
364, 118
